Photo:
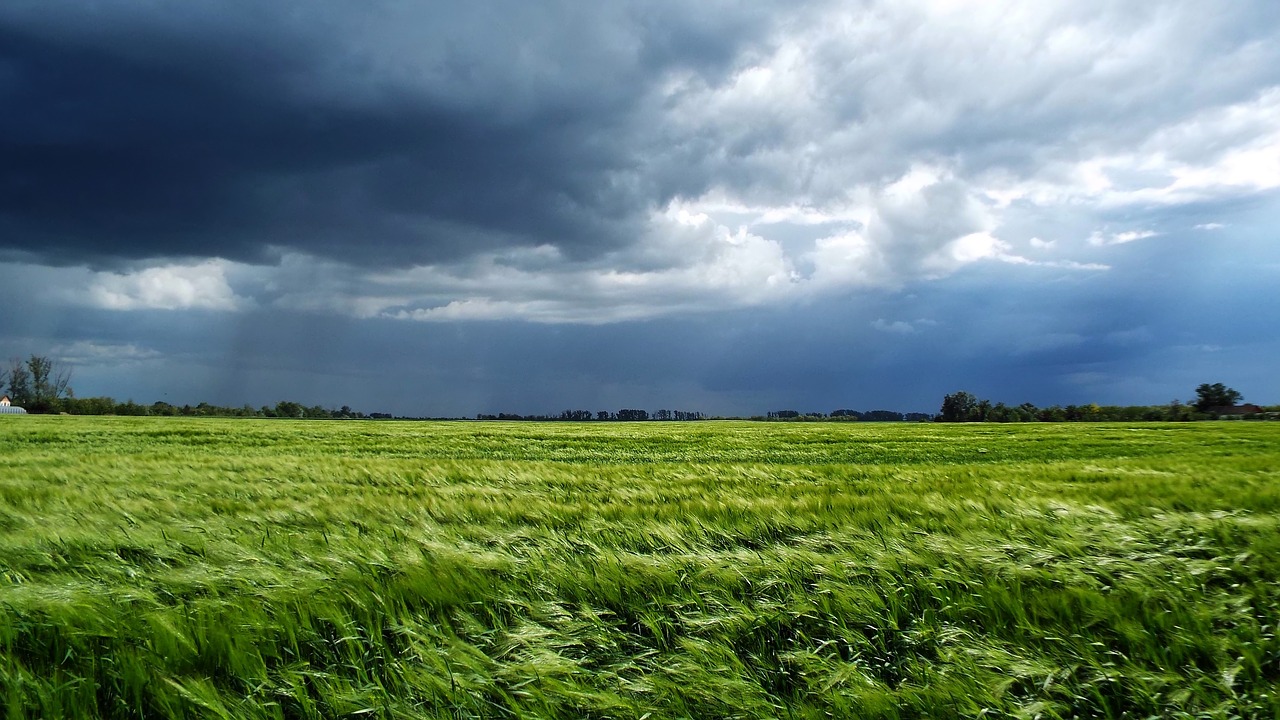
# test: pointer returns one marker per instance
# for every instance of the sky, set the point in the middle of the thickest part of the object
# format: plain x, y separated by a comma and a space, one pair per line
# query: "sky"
452, 208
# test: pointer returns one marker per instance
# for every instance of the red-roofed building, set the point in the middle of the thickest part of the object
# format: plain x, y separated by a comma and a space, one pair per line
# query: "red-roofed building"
1245, 409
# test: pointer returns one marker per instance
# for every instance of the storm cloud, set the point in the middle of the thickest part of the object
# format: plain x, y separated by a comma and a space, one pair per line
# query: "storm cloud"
720, 174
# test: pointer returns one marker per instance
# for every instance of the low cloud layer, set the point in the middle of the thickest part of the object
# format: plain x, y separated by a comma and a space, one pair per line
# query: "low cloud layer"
419, 167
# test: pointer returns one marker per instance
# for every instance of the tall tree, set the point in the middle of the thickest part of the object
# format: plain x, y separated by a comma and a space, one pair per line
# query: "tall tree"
289, 409
49, 383
19, 389
958, 407
1216, 395
981, 412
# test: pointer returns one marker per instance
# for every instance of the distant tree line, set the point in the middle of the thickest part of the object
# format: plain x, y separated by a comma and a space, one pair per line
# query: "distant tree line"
848, 416
282, 409
623, 415
1212, 402
40, 384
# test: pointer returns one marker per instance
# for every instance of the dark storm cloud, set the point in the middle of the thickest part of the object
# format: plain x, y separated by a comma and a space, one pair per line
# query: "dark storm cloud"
450, 208
374, 133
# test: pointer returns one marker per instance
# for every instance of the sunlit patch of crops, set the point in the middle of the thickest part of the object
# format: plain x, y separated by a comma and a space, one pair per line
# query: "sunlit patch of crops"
246, 569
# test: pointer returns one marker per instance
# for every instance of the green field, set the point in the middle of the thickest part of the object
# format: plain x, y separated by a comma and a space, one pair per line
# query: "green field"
280, 569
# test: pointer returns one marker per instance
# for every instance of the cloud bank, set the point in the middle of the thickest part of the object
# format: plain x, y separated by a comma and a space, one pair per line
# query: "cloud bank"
422, 166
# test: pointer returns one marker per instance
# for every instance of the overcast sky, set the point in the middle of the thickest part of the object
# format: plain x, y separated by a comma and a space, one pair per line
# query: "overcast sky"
449, 208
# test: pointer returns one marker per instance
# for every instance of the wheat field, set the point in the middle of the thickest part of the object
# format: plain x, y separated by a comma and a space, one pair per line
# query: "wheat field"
193, 568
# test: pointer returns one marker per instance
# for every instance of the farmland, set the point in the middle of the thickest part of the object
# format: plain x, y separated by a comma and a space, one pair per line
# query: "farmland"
164, 567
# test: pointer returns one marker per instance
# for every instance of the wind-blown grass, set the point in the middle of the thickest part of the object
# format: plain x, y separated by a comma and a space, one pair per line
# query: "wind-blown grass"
272, 569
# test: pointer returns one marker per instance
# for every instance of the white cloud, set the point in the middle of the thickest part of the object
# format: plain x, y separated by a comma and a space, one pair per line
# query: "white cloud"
1101, 239
1209, 226
690, 263
968, 249
1073, 265
1210, 153
166, 287
923, 225
88, 352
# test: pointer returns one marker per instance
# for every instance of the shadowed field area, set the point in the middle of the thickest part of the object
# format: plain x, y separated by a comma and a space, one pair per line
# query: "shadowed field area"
277, 569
